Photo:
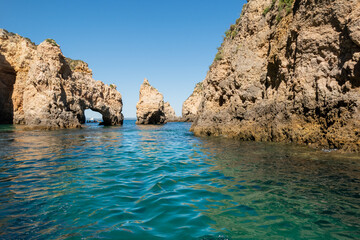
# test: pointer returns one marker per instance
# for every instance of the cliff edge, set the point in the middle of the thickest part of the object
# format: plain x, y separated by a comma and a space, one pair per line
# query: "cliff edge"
288, 70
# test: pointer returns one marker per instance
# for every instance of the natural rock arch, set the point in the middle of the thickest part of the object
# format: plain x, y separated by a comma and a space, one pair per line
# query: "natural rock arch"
49, 90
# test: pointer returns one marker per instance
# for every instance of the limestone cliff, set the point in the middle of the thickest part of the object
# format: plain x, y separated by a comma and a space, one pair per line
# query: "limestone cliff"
40, 87
170, 114
192, 103
150, 108
287, 71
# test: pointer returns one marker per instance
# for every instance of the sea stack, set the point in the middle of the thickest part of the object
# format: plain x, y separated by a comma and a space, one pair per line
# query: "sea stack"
150, 108
287, 71
191, 105
170, 114
44, 89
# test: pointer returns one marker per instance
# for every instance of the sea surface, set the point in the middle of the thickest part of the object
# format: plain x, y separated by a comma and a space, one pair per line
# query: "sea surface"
161, 182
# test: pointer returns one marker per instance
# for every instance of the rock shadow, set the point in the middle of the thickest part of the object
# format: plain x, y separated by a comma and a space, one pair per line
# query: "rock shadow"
7, 81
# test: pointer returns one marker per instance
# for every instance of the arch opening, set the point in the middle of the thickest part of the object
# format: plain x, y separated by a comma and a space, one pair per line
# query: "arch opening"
91, 116
7, 81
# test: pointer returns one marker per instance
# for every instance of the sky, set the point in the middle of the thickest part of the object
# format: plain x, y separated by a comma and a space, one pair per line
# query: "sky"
171, 43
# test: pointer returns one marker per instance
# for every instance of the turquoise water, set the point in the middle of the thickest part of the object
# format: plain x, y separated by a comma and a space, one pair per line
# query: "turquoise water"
161, 182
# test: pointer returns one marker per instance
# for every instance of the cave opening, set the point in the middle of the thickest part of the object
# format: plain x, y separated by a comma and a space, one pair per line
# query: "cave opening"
91, 116
7, 81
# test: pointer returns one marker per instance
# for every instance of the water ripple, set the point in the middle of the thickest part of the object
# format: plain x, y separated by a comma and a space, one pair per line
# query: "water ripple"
160, 182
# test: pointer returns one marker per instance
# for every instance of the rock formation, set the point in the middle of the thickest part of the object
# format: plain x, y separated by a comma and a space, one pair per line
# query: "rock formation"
170, 115
287, 71
150, 108
40, 87
192, 103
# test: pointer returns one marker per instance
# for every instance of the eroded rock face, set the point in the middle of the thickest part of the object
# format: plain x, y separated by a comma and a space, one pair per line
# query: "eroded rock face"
150, 108
170, 115
191, 105
16, 53
48, 90
287, 73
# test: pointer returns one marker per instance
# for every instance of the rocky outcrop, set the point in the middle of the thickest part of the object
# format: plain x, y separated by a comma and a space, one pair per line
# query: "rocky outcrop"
16, 53
170, 115
192, 103
43, 88
287, 71
150, 108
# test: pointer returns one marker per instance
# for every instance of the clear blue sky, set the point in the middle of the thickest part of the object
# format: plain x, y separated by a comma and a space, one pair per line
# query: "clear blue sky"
172, 43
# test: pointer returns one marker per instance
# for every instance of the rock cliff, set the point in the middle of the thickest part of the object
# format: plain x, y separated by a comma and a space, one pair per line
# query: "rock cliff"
192, 103
40, 87
287, 71
150, 108
170, 114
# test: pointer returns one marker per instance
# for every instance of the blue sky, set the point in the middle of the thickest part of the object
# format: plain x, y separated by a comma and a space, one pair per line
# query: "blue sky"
172, 43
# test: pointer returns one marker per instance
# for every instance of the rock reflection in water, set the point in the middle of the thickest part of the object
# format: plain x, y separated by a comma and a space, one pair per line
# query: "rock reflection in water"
274, 187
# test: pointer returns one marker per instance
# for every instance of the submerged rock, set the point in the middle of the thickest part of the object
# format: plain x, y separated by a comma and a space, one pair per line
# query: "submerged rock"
191, 105
150, 108
287, 72
45, 89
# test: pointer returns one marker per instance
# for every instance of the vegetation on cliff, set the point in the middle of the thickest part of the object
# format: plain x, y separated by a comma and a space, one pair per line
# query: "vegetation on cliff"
75, 63
284, 7
52, 42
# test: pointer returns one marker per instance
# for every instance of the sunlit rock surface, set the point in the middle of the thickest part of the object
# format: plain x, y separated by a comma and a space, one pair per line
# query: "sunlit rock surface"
150, 108
287, 72
191, 105
41, 88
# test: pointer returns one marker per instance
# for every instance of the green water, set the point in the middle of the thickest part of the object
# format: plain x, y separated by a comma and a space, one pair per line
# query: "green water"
161, 182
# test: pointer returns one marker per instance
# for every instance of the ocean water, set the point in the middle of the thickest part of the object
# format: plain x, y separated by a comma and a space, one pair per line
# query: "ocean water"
161, 182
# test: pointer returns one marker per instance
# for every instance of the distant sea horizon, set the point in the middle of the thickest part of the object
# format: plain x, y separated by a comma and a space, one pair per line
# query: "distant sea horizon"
100, 118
